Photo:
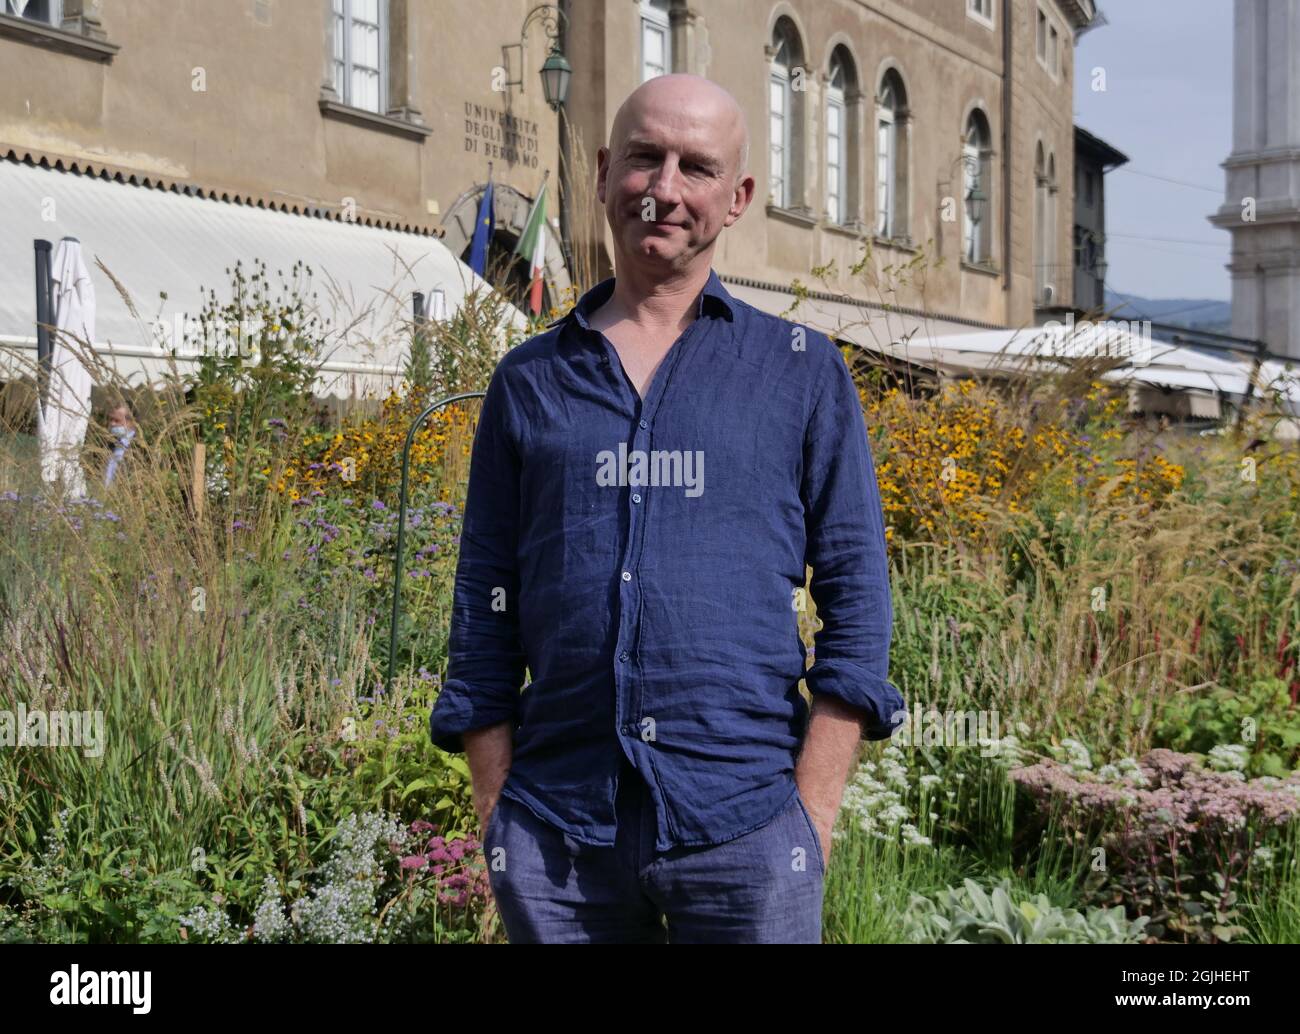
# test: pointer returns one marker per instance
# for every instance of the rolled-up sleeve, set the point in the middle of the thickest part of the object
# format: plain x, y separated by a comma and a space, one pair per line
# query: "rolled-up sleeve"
486, 662
846, 551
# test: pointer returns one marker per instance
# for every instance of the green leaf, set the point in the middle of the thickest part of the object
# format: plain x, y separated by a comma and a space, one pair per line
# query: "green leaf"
424, 783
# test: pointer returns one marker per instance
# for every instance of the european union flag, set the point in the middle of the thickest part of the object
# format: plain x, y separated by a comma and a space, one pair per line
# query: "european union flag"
478, 249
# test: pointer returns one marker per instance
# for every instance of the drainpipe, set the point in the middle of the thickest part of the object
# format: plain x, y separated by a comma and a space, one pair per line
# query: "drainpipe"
1006, 145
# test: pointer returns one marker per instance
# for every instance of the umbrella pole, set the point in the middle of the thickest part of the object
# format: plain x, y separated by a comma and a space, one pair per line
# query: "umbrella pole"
44, 319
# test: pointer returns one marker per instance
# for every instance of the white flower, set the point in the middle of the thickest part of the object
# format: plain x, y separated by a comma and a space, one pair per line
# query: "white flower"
1228, 757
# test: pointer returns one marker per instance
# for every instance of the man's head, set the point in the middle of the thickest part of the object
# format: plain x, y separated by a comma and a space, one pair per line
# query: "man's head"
675, 172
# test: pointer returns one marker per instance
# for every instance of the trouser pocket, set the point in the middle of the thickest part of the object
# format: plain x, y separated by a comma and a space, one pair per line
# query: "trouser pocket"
812, 829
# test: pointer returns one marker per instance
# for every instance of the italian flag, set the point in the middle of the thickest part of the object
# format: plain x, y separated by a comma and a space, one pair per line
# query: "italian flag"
532, 246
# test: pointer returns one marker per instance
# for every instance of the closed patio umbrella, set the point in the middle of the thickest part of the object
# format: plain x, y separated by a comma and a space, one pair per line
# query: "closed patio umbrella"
62, 419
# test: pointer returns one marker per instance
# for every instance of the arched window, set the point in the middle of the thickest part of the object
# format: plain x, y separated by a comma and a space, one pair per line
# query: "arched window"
784, 115
842, 99
977, 189
891, 157
656, 39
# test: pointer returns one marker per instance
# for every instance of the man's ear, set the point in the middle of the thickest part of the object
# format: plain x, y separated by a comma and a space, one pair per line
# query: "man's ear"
602, 172
743, 195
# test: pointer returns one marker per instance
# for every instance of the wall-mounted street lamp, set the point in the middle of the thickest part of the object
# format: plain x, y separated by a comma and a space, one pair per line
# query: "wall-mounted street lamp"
556, 70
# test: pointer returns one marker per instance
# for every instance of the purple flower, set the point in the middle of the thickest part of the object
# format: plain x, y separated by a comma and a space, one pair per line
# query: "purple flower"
378, 505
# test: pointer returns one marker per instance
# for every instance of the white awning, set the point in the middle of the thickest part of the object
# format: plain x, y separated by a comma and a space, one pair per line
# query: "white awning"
947, 347
155, 241
1150, 363
877, 330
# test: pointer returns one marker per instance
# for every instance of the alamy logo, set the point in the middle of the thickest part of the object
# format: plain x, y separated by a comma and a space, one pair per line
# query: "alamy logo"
124, 987
668, 468
1103, 339
37, 728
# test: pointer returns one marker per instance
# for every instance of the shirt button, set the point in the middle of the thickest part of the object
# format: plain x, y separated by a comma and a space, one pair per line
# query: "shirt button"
623, 656
636, 497
627, 576
644, 425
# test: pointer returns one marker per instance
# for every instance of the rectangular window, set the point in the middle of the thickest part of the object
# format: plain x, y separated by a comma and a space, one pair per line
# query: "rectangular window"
834, 161
49, 12
656, 41
777, 139
973, 229
885, 176
361, 53
1048, 44
980, 10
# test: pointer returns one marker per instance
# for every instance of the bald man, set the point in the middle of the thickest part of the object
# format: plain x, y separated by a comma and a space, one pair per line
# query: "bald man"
649, 478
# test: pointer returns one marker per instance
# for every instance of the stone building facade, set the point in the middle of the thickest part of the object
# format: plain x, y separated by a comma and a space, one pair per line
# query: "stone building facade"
875, 121
936, 132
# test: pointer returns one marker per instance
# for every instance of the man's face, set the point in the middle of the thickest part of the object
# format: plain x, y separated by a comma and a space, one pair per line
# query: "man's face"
669, 186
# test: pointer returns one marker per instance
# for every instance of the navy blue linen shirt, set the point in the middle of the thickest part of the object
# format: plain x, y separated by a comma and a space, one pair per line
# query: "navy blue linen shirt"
640, 557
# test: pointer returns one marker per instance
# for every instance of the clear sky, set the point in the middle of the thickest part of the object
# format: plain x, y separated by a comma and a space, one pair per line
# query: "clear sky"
1168, 106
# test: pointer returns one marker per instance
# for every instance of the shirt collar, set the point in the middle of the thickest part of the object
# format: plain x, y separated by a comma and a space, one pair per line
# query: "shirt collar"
714, 298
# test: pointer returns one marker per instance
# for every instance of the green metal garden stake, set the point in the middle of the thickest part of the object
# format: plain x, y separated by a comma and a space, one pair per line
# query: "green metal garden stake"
401, 522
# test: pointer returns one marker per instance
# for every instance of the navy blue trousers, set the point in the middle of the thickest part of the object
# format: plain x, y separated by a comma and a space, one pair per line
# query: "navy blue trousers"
764, 887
